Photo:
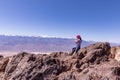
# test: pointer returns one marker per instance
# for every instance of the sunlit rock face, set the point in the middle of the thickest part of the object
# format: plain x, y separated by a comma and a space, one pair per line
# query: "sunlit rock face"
115, 51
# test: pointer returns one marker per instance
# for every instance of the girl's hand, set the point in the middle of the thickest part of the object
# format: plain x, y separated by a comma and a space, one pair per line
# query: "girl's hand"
76, 40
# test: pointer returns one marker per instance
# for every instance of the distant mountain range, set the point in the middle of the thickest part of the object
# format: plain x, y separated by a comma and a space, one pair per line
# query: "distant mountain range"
38, 44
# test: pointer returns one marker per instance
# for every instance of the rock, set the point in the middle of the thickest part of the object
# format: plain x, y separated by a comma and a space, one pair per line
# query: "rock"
94, 76
93, 62
86, 65
60, 55
85, 71
95, 53
116, 71
70, 77
105, 78
115, 53
13, 65
67, 76
3, 64
1, 56
31, 66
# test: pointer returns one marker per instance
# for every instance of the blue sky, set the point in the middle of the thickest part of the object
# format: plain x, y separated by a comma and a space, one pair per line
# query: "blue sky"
97, 20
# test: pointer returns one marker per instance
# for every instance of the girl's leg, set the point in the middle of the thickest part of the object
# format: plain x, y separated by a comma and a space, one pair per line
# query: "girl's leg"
73, 50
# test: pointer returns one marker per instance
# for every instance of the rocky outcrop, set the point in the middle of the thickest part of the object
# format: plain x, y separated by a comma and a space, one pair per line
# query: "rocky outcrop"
94, 62
115, 53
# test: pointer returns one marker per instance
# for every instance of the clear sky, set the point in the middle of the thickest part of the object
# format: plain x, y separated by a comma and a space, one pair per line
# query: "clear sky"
97, 20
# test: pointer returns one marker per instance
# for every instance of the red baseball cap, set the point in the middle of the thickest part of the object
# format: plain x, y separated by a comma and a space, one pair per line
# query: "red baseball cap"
78, 36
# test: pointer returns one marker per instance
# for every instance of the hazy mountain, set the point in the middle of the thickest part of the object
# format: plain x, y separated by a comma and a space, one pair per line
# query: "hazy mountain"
35, 44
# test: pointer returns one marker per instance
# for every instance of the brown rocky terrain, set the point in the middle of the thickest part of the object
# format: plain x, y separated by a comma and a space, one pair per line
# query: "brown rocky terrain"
98, 61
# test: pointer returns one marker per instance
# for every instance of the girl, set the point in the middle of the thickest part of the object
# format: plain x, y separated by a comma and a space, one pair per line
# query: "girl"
78, 42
